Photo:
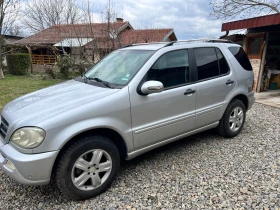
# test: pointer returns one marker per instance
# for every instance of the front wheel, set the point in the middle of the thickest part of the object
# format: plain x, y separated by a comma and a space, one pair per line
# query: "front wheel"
233, 119
87, 167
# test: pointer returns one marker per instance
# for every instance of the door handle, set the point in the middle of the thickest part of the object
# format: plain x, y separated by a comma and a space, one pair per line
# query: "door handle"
189, 91
229, 82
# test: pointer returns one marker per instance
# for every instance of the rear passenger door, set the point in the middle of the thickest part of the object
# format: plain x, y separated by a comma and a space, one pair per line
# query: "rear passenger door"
215, 80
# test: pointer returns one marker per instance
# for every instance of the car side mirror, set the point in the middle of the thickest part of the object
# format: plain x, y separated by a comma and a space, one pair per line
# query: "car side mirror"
152, 87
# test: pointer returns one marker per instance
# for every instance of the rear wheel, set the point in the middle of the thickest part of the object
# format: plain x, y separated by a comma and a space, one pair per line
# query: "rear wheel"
87, 167
233, 119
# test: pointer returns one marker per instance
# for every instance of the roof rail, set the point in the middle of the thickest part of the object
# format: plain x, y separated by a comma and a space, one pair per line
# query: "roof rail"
167, 44
200, 40
209, 40
137, 44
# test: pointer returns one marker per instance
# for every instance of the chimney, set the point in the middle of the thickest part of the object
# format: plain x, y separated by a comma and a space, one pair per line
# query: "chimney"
119, 20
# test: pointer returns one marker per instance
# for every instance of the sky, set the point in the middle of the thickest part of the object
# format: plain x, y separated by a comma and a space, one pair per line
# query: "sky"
189, 18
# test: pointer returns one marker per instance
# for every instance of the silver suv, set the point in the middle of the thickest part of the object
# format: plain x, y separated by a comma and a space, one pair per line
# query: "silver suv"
136, 99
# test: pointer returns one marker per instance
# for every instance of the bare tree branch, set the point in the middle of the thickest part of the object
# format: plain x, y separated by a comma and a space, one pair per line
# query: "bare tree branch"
42, 14
230, 9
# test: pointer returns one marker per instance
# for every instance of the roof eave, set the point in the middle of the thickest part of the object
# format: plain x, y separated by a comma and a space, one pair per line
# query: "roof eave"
168, 35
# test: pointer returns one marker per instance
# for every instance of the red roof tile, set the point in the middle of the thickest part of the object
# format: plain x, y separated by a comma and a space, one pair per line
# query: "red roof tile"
146, 35
57, 33
127, 35
131, 36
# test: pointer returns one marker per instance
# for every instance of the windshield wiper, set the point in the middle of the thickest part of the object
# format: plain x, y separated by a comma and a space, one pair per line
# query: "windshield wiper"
100, 81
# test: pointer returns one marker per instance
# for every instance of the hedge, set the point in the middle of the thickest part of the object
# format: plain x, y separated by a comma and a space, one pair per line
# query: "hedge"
18, 64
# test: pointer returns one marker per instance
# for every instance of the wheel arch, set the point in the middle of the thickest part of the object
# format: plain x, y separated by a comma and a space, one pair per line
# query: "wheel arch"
114, 136
242, 98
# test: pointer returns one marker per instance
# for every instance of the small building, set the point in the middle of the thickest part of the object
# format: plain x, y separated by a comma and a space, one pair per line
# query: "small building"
262, 45
9, 39
88, 43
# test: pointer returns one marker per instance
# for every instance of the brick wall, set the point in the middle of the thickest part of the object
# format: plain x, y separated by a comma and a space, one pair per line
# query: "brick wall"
256, 64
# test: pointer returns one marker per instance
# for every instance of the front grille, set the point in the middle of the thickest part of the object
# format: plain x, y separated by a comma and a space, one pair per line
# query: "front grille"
3, 127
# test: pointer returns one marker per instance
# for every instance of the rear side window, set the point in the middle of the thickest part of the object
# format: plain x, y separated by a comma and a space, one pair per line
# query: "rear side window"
241, 57
207, 63
224, 68
210, 63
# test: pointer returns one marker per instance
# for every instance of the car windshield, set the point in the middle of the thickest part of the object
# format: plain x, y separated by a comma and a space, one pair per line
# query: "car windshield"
119, 67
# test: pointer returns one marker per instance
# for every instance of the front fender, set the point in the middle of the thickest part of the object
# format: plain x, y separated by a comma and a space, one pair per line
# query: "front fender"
111, 112
57, 137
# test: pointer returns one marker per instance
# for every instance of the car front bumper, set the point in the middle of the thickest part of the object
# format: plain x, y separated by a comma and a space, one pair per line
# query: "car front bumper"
29, 169
251, 99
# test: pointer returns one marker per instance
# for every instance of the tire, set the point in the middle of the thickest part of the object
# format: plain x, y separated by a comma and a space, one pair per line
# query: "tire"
80, 165
228, 129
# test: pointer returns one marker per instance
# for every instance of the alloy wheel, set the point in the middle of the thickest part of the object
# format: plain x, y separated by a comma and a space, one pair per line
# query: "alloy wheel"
236, 119
91, 169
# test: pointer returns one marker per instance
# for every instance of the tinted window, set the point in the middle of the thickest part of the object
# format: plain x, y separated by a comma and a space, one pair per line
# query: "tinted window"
171, 69
241, 57
224, 68
207, 63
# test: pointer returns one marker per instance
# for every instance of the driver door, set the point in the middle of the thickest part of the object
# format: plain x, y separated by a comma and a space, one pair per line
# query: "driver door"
161, 116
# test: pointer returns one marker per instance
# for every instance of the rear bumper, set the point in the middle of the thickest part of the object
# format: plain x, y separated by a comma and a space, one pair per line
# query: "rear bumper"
251, 99
29, 169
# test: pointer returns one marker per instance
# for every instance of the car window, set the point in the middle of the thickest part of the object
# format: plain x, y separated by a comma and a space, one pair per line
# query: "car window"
171, 69
241, 57
224, 68
207, 63
119, 66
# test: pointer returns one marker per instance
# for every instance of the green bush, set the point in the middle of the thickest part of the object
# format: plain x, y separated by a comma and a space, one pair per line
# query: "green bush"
18, 64
64, 64
50, 72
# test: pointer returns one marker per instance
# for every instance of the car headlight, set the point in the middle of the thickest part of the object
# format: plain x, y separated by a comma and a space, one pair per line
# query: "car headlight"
28, 137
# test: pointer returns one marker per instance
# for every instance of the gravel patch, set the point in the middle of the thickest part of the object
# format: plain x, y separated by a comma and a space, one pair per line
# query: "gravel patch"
204, 171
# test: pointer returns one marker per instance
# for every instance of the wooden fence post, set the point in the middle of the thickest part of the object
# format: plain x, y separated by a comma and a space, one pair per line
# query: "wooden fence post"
30, 57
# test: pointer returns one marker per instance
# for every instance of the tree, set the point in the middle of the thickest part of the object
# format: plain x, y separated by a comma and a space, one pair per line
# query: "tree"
108, 16
229, 9
8, 14
42, 14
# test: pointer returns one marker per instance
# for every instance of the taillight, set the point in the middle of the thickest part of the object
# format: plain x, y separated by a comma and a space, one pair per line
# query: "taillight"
251, 85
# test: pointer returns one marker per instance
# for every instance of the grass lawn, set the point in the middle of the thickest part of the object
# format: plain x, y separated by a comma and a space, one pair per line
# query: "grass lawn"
12, 87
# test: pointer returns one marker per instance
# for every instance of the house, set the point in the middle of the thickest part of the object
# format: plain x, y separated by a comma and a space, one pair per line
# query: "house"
262, 45
88, 43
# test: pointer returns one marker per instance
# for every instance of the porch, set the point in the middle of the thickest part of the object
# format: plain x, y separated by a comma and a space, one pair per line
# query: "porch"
270, 97
43, 59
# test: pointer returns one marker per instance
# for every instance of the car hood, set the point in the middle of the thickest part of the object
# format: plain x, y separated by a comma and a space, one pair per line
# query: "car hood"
40, 105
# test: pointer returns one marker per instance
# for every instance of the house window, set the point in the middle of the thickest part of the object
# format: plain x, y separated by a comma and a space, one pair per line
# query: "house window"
255, 45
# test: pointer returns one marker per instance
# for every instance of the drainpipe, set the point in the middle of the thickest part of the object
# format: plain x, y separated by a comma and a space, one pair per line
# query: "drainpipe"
221, 37
30, 57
